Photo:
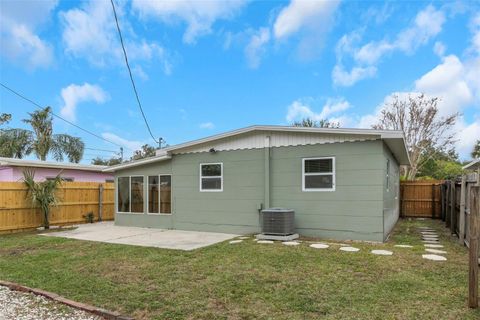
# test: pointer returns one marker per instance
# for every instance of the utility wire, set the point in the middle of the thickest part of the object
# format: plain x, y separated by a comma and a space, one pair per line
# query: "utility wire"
101, 150
130, 73
57, 116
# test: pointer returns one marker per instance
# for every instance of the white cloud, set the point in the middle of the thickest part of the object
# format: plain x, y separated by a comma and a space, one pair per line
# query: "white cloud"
347, 78
451, 83
427, 24
75, 94
89, 32
475, 28
131, 145
18, 23
207, 125
299, 110
311, 19
439, 48
255, 49
198, 15
467, 135
302, 14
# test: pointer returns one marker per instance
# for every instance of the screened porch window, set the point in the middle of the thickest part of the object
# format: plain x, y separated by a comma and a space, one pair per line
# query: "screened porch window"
160, 189
136, 185
318, 174
211, 177
123, 195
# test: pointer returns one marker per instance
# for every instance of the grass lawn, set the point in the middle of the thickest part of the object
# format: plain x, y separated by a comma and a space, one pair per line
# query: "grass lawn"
248, 280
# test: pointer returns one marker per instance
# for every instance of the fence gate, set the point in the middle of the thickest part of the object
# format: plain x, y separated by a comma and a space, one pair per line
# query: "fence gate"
421, 199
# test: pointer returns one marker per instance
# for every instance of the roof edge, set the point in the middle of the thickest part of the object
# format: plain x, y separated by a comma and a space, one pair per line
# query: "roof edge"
136, 163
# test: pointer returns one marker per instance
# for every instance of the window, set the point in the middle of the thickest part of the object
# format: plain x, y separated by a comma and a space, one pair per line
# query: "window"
160, 189
136, 187
318, 174
211, 177
165, 194
123, 196
153, 194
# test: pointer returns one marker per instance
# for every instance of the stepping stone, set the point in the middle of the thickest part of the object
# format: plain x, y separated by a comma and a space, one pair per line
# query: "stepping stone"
435, 251
433, 257
255, 240
382, 252
421, 219
428, 233
430, 238
265, 241
433, 246
403, 246
235, 241
319, 246
430, 241
425, 228
291, 243
243, 238
349, 249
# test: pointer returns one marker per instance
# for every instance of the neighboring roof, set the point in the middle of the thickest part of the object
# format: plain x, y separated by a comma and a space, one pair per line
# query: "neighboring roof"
394, 140
474, 165
136, 163
12, 162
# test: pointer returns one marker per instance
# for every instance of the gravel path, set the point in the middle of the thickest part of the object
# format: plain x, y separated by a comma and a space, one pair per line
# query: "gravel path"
27, 306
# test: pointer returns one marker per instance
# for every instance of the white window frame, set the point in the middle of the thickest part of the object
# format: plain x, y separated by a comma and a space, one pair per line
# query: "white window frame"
129, 193
130, 186
201, 177
159, 195
319, 174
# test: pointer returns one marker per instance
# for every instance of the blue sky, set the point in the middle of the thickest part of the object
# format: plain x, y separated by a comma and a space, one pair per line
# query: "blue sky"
204, 67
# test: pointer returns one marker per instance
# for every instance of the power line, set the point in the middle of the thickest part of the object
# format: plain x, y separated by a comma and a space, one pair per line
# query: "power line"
57, 116
101, 150
130, 73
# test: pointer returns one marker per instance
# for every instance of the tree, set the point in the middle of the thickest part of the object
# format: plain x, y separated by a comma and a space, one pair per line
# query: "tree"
145, 152
5, 118
108, 162
426, 133
441, 166
476, 150
15, 143
309, 122
42, 194
44, 142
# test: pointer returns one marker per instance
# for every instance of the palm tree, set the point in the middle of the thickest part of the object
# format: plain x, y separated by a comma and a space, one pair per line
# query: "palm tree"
42, 194
45, 142
15, 143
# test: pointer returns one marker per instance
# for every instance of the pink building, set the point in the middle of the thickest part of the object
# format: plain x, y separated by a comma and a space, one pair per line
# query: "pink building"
12, 170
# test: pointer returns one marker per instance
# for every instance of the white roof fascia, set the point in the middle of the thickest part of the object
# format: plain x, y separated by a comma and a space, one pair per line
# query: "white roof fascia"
474, 165
136, 163
49, 164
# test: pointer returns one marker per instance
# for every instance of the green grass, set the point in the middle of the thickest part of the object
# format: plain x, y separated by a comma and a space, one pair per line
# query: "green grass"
248, 280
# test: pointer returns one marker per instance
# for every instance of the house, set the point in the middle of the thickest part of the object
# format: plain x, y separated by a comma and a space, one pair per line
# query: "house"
12, 170
342, 183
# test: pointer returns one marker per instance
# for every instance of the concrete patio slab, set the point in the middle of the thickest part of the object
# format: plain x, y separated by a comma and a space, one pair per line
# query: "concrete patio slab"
145, 237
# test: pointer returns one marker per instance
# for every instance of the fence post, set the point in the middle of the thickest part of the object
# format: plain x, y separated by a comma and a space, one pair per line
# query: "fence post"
447, 209
100, 202
452, 208
461, 227
473, 252
433, 201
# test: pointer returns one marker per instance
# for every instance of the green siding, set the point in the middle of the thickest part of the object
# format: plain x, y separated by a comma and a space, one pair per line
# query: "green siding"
235, 210
355, 210
391, 193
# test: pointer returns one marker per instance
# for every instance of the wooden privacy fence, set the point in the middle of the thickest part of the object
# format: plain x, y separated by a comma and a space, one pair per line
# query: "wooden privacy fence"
76, 200
420, 198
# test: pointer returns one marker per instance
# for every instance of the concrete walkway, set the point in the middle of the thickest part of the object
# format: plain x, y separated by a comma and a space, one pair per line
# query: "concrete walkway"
145, 237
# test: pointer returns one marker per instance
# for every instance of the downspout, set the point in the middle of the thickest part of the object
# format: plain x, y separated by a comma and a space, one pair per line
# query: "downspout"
267, 173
